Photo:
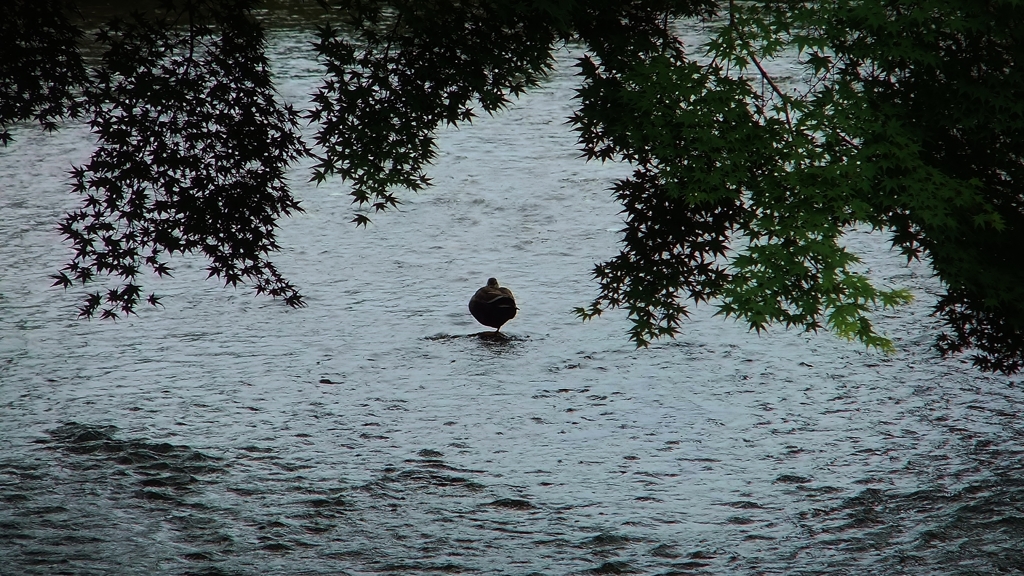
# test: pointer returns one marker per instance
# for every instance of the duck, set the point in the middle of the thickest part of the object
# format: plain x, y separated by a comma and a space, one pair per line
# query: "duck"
493, 305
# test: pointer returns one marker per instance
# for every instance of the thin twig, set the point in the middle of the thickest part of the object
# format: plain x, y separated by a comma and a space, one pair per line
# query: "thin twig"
774, 87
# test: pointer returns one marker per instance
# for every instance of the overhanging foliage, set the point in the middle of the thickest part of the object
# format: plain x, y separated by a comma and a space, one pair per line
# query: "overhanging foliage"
908, 119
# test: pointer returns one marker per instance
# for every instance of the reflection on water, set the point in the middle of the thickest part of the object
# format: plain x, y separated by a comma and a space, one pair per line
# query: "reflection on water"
379, 431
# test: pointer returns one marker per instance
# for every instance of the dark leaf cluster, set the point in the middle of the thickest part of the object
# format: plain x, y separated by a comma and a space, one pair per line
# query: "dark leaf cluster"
399, 71
191, 158
41, 69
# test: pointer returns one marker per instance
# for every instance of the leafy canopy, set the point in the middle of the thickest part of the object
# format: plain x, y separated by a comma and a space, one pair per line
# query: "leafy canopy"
907, 119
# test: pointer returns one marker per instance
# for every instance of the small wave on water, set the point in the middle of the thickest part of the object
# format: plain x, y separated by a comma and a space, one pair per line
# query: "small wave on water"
489, 336
495, 342
65, 516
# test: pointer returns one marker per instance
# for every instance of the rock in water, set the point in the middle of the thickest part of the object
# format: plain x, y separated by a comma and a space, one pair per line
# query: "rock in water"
493, 305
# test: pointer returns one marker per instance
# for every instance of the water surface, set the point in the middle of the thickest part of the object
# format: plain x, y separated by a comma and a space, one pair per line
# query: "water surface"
374, 432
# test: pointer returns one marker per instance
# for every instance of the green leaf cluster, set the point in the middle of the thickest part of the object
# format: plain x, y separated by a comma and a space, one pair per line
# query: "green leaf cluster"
907, 119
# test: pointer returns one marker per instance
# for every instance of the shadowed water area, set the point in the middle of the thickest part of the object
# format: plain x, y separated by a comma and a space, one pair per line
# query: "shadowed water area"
375, 432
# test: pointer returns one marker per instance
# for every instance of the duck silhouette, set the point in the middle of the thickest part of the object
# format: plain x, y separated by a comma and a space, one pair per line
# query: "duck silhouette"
493, 305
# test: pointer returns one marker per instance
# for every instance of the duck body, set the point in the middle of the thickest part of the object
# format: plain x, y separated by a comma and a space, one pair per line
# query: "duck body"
493, 305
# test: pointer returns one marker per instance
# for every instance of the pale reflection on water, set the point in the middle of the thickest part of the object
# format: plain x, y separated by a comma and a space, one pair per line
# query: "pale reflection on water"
374, 432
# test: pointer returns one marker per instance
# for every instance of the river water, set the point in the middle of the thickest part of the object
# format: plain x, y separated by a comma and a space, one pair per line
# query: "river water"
374, 432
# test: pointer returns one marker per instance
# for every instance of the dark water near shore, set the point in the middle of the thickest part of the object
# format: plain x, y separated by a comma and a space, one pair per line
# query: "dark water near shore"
374, 433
